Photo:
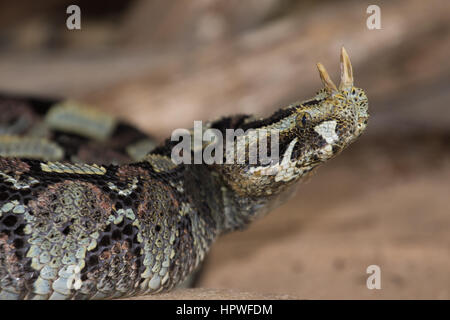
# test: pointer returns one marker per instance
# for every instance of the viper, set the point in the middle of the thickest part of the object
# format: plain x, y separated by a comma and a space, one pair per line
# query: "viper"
92, 208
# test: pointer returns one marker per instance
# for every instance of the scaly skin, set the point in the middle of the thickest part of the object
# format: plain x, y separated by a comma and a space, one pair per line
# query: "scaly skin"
141, 224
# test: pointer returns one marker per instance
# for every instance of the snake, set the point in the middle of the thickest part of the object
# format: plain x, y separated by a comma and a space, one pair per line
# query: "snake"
93, 208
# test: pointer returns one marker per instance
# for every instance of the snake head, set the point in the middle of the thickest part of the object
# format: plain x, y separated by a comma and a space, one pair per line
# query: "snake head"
332, 120
309, 133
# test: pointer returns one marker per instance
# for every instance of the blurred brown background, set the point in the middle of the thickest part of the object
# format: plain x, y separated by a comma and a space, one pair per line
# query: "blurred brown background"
162, 64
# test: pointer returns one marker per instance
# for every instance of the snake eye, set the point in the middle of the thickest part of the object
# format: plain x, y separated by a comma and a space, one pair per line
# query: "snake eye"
303, 118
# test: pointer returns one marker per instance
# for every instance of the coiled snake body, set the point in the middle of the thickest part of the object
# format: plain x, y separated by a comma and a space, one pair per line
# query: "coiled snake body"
89, 209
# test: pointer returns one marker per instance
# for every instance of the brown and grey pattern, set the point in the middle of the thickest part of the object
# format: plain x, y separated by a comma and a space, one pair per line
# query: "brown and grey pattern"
131, 221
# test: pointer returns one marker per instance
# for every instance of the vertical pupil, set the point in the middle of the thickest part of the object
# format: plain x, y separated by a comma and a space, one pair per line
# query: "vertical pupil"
304, 120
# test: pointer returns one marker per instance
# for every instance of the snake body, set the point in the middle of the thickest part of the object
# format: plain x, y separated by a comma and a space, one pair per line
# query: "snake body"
91, 209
